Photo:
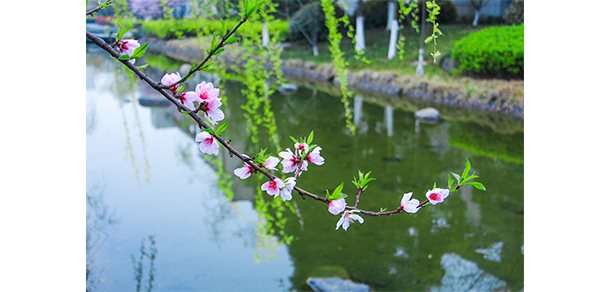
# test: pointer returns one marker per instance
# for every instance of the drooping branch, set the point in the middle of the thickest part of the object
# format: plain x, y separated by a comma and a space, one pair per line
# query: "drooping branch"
165, 91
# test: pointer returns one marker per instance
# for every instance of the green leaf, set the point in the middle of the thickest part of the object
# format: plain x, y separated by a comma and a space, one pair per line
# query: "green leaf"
221, 128
209, 131
294, 140
122, 31
139, 51
338, 189
186, 113
232, 39
219, 51
429, 39
477, 185
193, 67
143, 67
124, 57
457, 176
466, 169
256, 6
310, 138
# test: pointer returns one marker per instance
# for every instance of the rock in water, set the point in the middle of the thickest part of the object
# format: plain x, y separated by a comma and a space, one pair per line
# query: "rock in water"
336, 285
288, 88
493, 252
464, 275
428, 115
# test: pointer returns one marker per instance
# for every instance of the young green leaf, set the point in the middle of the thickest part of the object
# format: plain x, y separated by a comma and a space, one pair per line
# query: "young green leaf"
292, 138
477, 185
466, 169
232, 39
139, 51
143, 67
221, 128
310, 138
210, 131
219, 51
124, 57
122, 31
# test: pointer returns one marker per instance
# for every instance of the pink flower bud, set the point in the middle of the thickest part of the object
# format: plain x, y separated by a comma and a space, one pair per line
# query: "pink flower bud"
336, 206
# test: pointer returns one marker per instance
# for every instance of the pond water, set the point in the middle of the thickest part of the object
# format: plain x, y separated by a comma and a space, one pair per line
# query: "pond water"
163, 217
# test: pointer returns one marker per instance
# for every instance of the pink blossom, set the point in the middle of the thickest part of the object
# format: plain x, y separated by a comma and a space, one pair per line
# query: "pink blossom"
169, 79
290, 162
314, 156
187, 99
301, 148
347, 218
286, 191
273, 187
244, 172
208, 143
437, 195
336, 206
206, 91
270, 163
409, 205
211, 110
127, 46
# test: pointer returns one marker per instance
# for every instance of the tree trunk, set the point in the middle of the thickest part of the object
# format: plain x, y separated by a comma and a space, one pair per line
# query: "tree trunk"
360, 28
265, 35
393, 40
477, 14
391, 14
420, 63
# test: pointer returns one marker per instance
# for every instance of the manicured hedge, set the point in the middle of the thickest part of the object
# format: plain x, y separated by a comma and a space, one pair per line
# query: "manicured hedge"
494, 52
177, 28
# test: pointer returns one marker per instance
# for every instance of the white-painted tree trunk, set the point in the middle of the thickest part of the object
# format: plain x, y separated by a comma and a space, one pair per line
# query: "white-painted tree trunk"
265, 35
420, 64
389, 119
360, 33
477, 14
315, 50
393, 40
391, 14
357, 109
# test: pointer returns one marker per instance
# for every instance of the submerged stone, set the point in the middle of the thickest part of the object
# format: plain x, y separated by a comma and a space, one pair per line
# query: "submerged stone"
493, 252
428, 115
462, 275
288, 88
336, 285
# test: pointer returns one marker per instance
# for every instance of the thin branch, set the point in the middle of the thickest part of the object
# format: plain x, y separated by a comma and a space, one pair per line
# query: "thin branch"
207, 58
158, 87
94, 11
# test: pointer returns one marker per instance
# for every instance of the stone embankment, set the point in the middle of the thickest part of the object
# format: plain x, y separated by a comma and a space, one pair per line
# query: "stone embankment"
489, 95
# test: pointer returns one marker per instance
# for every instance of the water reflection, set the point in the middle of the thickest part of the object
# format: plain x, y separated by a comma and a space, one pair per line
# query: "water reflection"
208, 223
206, 241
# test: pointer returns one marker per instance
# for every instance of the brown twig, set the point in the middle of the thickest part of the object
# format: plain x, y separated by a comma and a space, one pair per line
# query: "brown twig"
161, 89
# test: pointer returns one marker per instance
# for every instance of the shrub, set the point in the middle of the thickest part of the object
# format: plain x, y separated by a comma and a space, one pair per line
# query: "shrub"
514, 13
492, 52
177, 28
304, 20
